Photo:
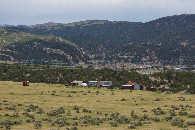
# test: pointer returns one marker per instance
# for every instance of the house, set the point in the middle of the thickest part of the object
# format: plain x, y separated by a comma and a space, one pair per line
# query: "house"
76, 83
105, 84
92, 83
132, 86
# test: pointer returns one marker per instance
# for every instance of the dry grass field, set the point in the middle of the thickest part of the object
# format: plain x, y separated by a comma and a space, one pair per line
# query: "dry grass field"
96, 108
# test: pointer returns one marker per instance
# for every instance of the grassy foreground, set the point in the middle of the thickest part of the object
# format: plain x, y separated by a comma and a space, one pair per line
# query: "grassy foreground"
48, 106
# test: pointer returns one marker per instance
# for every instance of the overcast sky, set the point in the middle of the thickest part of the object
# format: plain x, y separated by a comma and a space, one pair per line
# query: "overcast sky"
30, 12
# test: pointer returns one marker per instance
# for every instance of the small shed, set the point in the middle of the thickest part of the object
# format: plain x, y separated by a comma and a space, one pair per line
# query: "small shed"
132, 86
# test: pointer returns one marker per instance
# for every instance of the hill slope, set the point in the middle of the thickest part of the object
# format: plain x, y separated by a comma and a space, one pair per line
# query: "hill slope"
166, 38
20, 46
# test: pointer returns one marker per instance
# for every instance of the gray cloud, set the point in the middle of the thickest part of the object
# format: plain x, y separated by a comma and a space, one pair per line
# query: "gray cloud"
40, 11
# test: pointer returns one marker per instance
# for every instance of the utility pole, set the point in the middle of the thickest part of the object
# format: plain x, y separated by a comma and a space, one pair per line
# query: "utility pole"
143, 65
152, 61
123, 66
181, 60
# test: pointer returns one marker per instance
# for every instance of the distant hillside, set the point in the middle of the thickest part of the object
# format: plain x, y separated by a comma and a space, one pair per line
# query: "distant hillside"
8, 35
92, 35
19, 46
166, 38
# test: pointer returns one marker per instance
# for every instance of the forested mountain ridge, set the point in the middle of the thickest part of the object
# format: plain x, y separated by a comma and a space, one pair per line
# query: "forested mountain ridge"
87, 34
166, 38
20, 46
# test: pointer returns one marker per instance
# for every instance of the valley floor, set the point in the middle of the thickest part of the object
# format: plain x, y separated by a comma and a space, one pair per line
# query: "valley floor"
59, 106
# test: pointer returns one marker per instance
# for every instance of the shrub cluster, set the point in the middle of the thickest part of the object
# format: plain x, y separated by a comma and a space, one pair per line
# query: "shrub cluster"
8, 123
158, 111
56, 112
38, 124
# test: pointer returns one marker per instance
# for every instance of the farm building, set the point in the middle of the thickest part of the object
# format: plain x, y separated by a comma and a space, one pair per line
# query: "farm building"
151, 88
83, 85
105, 84
76, 83
132, 86
92, 83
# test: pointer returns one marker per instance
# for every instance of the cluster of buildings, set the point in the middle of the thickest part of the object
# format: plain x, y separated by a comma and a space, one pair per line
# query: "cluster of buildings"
107, 84
100, 84
104, 84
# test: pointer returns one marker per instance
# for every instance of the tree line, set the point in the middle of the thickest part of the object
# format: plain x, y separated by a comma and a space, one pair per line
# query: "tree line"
176, 81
